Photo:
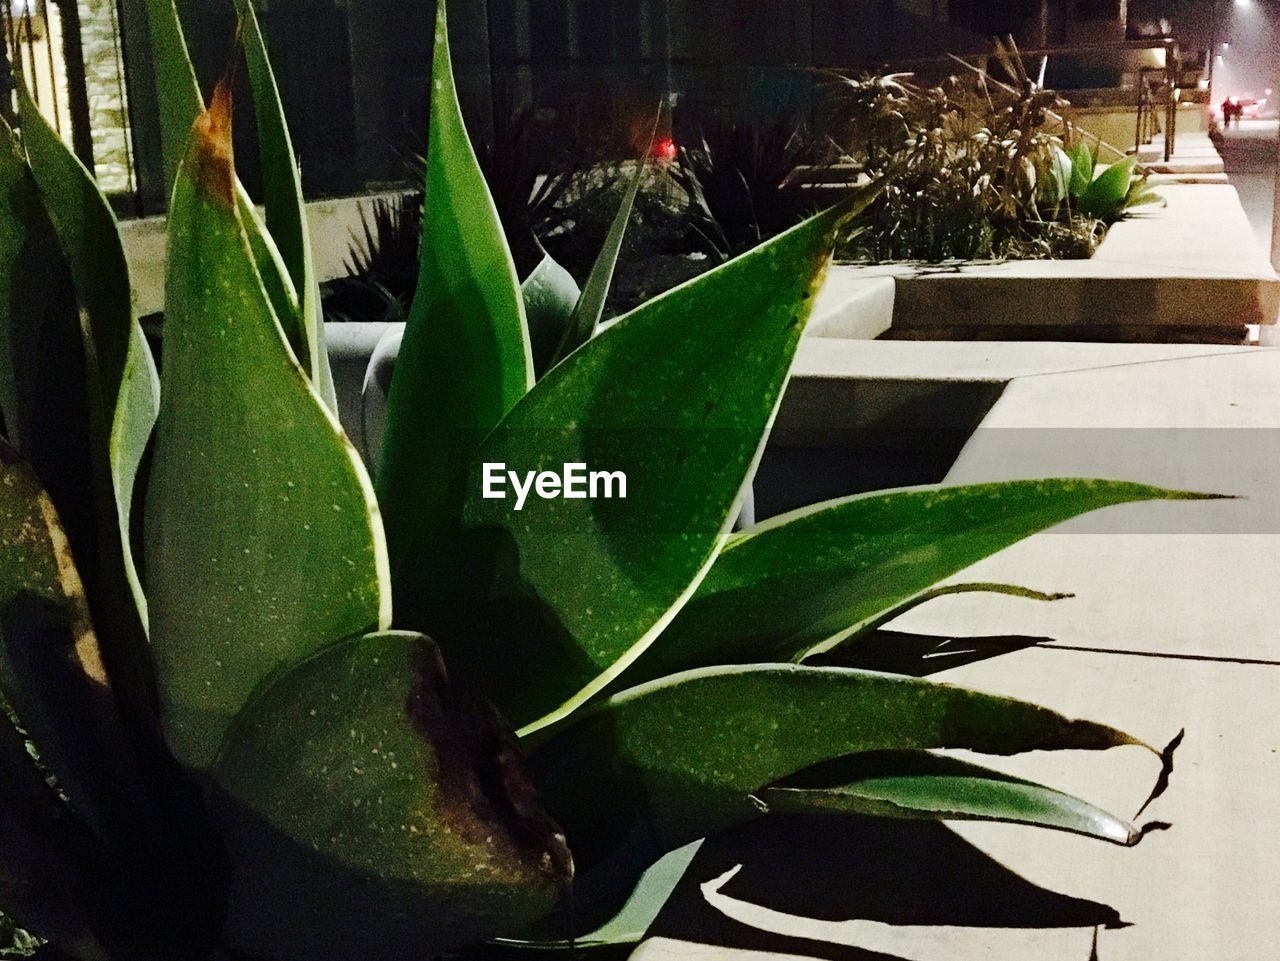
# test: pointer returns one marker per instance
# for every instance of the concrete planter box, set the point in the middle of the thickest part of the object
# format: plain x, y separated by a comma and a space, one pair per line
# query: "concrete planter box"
1186, 273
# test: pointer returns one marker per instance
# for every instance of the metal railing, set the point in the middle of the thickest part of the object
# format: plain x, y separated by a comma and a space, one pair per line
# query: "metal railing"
42, 47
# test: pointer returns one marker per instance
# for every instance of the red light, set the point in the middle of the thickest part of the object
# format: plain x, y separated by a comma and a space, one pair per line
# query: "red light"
665, 149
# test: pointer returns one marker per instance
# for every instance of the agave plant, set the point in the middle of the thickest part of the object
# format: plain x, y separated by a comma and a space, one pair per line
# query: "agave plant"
1106, 194
221, 739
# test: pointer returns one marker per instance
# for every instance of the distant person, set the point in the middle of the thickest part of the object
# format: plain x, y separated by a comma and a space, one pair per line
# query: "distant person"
1230, 110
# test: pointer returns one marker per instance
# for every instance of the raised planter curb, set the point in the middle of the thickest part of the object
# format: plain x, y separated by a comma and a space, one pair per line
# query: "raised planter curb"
1187, 273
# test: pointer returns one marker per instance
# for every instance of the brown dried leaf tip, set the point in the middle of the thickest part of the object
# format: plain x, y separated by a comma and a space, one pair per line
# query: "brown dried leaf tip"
213, 166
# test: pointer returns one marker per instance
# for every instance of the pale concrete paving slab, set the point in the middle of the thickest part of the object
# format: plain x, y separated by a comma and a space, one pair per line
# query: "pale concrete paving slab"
1208, 424
826, 356
1194, 152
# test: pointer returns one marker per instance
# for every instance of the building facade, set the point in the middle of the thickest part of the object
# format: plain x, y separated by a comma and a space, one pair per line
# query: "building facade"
354, 73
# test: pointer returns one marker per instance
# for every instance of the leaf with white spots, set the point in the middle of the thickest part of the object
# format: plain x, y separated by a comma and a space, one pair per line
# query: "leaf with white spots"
263, 537
554, 600
364, 785
689, 755
805, 582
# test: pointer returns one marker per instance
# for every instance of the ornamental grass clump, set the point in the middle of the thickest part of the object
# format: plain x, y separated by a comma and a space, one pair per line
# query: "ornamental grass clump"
977, 171
227, 732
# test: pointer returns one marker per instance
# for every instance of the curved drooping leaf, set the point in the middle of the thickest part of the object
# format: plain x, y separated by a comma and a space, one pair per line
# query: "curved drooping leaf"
1104, 197
465, 359
286, 209
630, 922
243, 436
870, 625
124, 392
43, 381
801, 583
550, 295
590, 306
893, 871
556, 598
362, 785
1142, 194
177, 89
917, 784
674, 760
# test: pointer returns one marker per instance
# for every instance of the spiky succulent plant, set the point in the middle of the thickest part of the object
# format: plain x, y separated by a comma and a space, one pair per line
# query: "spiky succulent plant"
243, 748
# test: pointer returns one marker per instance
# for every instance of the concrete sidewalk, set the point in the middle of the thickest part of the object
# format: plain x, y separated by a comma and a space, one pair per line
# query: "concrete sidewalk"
1194, 153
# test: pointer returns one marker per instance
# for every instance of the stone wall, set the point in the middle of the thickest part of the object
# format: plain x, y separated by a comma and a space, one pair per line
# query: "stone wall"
108, 106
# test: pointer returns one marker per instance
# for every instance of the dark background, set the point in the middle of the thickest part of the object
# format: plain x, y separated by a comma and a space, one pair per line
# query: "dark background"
354, 73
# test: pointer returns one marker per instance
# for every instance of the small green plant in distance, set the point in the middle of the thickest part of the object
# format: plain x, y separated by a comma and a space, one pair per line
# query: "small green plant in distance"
1105, 193
244, 749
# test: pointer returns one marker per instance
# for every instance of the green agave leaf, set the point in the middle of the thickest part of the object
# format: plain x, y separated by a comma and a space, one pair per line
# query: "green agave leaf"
177, 89
19, 314
590, 307
917, 784
872, 624
51, 670
1056, 181
465, 359
550, 295
42, 363
542, 628
1141, 193
1082, 166
244, 436
152, 853
801, 583
668, 762
629, 924
275, 275
1104, 198
181, 103
126, 391
362, 784
286, 209
90, 241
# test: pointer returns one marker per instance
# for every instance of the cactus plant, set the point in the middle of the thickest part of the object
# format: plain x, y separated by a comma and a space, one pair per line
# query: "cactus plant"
243, 748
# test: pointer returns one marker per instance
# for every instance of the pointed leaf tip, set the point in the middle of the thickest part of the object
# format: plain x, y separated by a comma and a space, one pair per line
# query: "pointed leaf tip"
211, 150
1166, 769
